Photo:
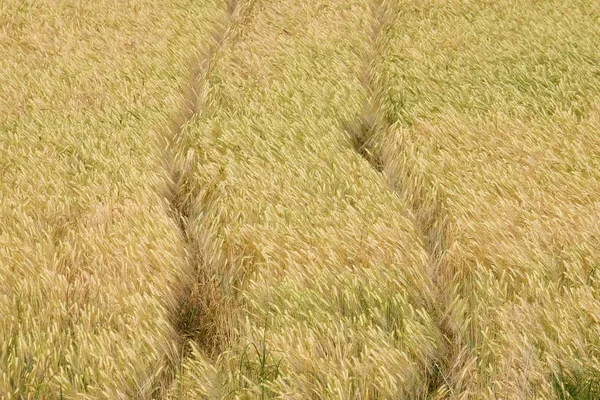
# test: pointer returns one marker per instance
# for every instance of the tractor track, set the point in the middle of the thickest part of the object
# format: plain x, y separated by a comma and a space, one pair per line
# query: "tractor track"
370, 135
200, 298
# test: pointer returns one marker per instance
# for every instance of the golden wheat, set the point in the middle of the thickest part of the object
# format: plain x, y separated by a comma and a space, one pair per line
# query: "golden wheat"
306, 245
488, 114
341, 199
89, 258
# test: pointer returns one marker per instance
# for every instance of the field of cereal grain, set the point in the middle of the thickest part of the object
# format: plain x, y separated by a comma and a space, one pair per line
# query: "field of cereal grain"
326, 199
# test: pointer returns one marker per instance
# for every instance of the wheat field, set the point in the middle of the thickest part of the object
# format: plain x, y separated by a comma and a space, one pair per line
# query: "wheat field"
325, 199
